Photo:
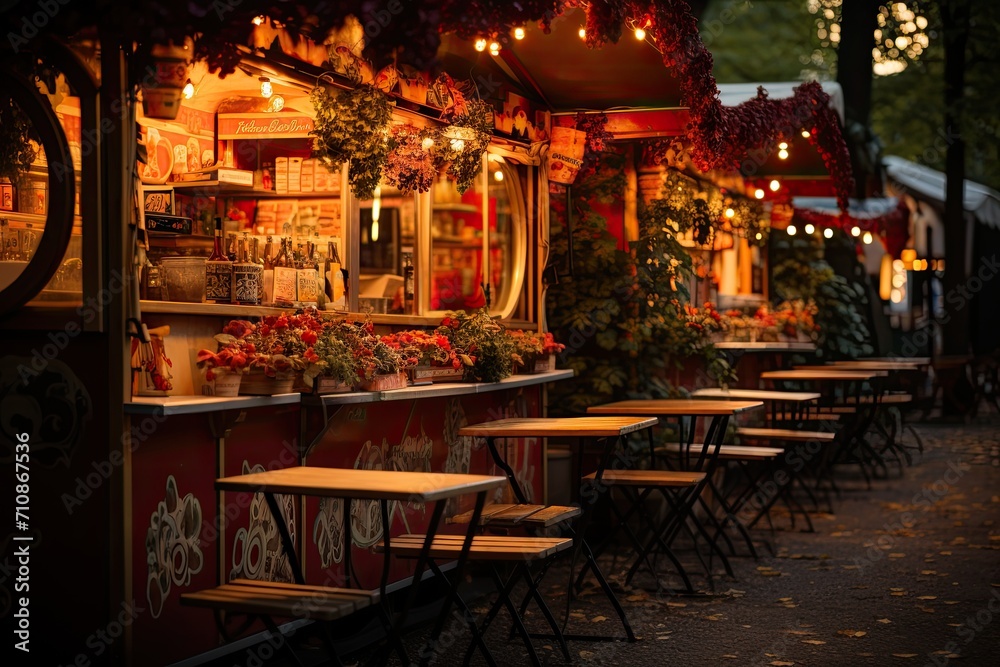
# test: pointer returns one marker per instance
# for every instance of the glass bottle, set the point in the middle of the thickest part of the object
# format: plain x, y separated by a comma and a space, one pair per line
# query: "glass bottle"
306, 271
267, 281
409, 307
336, 288
285, 276
218, 271
246, 276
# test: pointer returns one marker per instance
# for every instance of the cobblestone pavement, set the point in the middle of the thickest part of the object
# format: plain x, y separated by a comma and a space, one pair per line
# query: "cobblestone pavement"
905, 573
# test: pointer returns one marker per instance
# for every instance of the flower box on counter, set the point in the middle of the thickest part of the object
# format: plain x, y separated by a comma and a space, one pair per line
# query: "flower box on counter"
436, 374
385, 382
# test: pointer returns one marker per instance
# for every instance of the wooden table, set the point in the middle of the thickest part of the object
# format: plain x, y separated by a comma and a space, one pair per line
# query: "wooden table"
610, 429
865, 365
794, 404
378, 485
819, 374
720, 411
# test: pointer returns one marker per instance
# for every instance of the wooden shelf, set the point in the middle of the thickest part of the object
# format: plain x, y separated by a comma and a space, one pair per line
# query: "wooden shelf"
189, 405
235, 191
236, 311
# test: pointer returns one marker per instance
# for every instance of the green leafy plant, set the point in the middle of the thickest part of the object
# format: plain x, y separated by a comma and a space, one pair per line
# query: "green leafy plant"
482, 343
16, 151
353, 126
462, 143
332, 357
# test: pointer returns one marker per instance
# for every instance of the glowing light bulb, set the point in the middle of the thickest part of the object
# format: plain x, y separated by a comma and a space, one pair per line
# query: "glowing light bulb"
809, 228
427, 143
759, 236
828, 233
277, 103
188, 90
266, 90
867, 238
783, 146
805, 134
774, 185
730, 213
498, 175
518, 33
640, 34
480, 44
759, 193
783, 154
791, 230
582, 32
457, 144
855, 231
257, 20
494, 48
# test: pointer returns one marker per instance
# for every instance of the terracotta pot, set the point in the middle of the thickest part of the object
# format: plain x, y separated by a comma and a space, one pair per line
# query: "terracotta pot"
436, 374
256, 383
385, 382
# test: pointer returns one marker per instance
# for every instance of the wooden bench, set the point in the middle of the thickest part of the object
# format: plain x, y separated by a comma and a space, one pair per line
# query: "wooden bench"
736, 452
784, 434
484, 547
267, 598
663, 478
520, 515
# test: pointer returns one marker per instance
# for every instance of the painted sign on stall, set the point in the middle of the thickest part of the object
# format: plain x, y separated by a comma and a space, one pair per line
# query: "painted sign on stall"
264, 126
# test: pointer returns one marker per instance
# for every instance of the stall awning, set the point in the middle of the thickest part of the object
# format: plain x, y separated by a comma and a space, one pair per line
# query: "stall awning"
859, 208
906, 177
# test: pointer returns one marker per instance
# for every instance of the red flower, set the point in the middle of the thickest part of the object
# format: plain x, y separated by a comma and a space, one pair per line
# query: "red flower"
308, 337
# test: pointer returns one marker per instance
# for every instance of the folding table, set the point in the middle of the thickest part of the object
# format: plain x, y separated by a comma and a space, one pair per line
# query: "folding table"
609, 429
383, 486
720, 411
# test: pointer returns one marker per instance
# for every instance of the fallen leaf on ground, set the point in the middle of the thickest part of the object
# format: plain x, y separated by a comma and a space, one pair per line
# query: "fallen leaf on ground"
636, 598
884, 620
904, 655
951, 601
928, 572
852, 633
586, 655
781, 663
814, 642
927, 597
598, 619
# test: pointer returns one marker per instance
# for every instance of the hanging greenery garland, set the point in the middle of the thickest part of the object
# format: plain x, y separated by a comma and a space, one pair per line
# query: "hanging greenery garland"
16, 152
353, 127
461, 145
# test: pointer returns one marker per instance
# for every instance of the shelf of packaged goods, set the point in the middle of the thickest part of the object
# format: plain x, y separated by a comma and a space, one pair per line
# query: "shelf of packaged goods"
214, 189
190, 405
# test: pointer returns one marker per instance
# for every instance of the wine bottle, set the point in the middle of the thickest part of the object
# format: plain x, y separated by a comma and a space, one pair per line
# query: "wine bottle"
267, 281
246, 276
218, 271
336, 285
285, 276
408, 305
306, 276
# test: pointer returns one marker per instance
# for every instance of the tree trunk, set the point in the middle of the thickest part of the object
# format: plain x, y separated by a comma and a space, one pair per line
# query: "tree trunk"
854, 74
955, 323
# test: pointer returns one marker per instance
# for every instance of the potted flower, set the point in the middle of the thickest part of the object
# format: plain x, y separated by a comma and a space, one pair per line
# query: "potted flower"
331, 364
226, 367
537, 351
435, 359
379, 366
482, 344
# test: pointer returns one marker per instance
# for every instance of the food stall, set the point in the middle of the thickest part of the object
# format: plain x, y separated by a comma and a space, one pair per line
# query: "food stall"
342, 188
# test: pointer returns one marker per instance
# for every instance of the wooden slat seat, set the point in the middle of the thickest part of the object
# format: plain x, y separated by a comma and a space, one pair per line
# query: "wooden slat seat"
484, 547
889, 399
738, 452
513, 516
784, 435
667, 478
282, 599
814, 416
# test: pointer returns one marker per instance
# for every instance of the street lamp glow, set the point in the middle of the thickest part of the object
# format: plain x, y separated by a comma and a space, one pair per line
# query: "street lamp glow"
774, 185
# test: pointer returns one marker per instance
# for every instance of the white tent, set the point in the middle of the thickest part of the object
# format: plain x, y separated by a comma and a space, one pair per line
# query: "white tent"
920, 182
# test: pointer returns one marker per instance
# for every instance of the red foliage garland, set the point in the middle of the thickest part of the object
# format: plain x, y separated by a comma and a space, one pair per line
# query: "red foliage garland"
893, 227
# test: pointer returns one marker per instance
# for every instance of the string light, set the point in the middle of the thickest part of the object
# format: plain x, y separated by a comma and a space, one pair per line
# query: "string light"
582, 32
805, 134
640, 34
258, 20
188, 90
759, 236
427, 143
519, 33
266, 90
494, 48
855, 231
729, 213
498, 175
277, 103
774, 185
791, 230
759, 193
783, 154
376, 211
810, 228
480, 44
828, 233
867, 238
783, 146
